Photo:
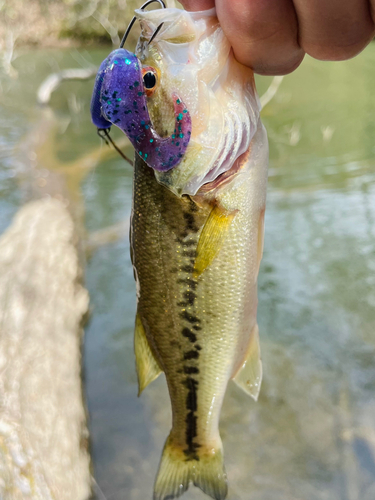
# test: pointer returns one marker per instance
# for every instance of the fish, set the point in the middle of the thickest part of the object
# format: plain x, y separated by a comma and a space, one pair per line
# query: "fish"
192, 113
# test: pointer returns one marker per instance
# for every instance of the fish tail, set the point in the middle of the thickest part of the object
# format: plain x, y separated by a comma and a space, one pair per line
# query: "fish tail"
177, 469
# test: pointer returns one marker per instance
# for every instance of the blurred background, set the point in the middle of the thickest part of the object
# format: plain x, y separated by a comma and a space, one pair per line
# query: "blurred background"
311, 435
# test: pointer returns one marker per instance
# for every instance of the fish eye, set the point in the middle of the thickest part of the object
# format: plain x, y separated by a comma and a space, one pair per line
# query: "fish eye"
150, 80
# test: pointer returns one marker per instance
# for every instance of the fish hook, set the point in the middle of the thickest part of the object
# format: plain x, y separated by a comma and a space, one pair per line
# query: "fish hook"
160, 2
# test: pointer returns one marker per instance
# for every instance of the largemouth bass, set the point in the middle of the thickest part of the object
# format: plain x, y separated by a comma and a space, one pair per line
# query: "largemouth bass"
192, 113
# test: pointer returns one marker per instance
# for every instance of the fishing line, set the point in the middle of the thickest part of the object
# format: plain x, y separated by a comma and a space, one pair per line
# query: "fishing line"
104, 134
98, 488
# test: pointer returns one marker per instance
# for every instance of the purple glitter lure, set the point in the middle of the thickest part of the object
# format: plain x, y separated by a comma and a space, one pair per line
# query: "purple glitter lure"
119, 88
97, 117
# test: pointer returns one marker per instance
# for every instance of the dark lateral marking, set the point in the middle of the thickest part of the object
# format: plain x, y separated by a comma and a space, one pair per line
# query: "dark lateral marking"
189, 370
191, 420
189, 317
189, 217
198, 347
191, 399
193, 206
197, 328
191, 430
191, 355
190, 297
188, 269
189, 335
190, 222
186, 281
189, 253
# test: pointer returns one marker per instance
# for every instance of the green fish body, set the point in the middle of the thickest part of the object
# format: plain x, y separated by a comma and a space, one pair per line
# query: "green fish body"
199, 330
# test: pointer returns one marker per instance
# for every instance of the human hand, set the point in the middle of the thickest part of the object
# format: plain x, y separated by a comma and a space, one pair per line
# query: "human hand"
272, 36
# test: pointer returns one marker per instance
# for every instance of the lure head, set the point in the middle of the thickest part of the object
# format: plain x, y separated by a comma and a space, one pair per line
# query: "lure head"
120, 93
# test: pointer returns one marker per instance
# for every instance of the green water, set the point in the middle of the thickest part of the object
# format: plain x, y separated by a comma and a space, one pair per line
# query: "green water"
311, 436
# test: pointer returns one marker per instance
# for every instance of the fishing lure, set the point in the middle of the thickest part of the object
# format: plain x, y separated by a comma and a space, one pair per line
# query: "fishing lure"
126, 107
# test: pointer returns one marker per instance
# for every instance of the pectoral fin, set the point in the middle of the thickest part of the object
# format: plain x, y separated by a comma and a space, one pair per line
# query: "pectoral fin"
212, 238
148, 368
249, 376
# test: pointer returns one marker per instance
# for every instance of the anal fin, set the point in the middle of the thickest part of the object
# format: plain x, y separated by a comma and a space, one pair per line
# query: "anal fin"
212, 238
249, 376
148, 368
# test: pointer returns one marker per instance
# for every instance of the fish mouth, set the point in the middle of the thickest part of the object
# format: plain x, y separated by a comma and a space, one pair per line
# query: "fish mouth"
224, 178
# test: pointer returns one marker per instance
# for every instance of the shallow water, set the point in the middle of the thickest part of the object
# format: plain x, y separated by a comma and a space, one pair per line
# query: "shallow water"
311, 435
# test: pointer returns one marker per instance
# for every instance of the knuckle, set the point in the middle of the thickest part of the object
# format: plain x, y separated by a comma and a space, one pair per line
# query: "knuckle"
273, 67
338, 49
